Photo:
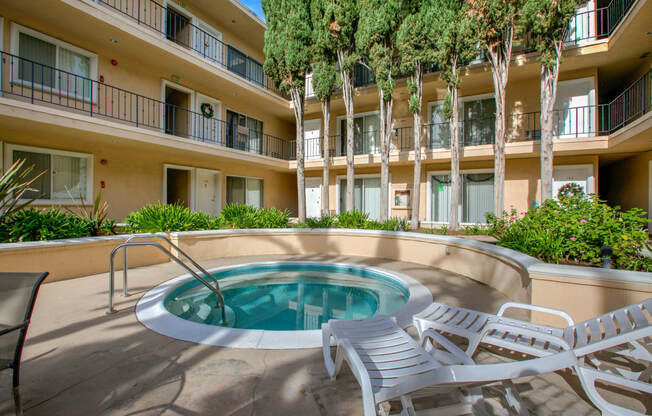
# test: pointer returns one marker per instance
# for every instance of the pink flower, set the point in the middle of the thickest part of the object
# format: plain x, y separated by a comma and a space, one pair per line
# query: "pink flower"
512, 218
522, 213
573, 238
582, 220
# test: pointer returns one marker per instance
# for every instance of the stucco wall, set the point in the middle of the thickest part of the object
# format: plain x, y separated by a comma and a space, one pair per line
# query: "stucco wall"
632, 192
583, 292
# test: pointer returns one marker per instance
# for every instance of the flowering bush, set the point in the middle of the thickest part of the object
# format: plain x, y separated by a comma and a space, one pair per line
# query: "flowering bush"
573, 230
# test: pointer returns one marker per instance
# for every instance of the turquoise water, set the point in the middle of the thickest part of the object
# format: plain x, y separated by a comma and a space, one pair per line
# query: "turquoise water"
289, 297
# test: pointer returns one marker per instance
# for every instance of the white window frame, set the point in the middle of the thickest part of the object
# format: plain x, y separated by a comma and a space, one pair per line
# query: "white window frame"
226, 188
8, 160
460, 207
166, 166
17, 29
339, 178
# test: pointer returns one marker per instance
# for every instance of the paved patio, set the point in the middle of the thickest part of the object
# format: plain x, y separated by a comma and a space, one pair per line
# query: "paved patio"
79, 361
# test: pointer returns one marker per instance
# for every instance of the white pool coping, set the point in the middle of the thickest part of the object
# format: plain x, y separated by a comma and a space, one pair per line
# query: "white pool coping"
152, 313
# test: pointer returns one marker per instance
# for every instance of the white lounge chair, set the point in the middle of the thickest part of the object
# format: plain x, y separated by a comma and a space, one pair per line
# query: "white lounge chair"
390, 365
625, 332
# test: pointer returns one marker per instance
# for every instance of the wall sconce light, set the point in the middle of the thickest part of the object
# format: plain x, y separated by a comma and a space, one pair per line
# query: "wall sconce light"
114, 62
103, 162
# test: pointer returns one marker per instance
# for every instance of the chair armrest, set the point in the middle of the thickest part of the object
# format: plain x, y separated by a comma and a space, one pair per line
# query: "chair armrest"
13, 328
525, 332
516, 305
437, 339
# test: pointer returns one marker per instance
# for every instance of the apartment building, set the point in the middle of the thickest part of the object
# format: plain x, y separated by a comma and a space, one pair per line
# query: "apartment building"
602, 128
166, 100
144, 101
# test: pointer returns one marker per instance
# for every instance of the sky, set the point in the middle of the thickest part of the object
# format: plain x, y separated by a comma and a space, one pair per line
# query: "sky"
255, 7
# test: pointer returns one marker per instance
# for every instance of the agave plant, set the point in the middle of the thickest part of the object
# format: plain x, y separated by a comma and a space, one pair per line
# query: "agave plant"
13, 185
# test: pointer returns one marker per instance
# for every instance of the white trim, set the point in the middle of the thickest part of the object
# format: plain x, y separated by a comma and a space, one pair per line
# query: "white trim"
16, 29
460, 210
166, 166
8, 160
338, 179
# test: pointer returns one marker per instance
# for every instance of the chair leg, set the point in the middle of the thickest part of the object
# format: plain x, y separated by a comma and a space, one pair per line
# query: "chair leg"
18, 404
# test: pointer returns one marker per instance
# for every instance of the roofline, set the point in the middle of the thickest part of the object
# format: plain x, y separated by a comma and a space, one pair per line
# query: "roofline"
249, 13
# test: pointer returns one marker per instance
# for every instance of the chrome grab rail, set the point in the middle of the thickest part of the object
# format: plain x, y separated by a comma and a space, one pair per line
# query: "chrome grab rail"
128, 243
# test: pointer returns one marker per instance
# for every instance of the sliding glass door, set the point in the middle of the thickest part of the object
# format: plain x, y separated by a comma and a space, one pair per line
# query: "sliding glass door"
366, 196
479, 121
366, 135
476, 200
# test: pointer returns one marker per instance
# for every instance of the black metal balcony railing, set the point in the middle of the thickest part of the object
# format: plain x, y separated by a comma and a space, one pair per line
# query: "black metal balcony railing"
37, 83
574, 122
180, 30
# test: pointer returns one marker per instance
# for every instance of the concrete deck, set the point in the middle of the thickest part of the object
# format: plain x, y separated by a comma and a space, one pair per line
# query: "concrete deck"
79, 361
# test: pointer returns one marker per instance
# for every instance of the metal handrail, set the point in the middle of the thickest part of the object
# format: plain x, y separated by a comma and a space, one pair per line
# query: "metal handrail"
171, 244
214, 289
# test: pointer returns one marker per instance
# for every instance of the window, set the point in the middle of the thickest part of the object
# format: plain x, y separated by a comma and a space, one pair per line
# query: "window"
366, 196
54, 64
366, 134
64, 172
241, 190
244, 132
477, 118
476, 200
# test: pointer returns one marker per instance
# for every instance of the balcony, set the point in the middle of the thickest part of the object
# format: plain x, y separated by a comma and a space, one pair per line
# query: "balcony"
29, 81
573, 122
178, 29
362, 76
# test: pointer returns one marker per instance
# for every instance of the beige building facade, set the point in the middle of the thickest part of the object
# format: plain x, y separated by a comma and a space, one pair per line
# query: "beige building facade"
150, 101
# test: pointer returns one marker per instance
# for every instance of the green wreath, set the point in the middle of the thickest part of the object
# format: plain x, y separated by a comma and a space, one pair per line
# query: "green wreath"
569, 190
207, 110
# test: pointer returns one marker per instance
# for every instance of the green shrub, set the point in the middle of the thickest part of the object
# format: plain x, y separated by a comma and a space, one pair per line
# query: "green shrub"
166, 218
388, 225
352, 219
246, 216
32, 224
323, 222
573, 231
273, 218
475, 229
443, 230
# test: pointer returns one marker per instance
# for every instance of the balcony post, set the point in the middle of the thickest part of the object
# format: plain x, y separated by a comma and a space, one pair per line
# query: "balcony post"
32, 94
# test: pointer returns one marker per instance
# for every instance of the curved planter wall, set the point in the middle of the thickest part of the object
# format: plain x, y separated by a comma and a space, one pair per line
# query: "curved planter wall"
581, 291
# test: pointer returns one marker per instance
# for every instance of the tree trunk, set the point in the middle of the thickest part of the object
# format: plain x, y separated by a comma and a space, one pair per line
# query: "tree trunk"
500, 57
297, 101
548, 95
416, 182
385, 138
347, 92
456, 185
326, 112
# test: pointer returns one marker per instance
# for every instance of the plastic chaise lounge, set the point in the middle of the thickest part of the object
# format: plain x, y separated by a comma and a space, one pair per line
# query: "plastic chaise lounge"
614, 348
390, 365
17, 297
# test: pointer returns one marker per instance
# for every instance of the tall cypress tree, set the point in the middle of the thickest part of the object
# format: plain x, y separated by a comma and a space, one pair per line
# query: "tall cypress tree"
324, 79
546, 22
287, 61
376, 41
416, 51
456, 45
494, 24
344, 16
